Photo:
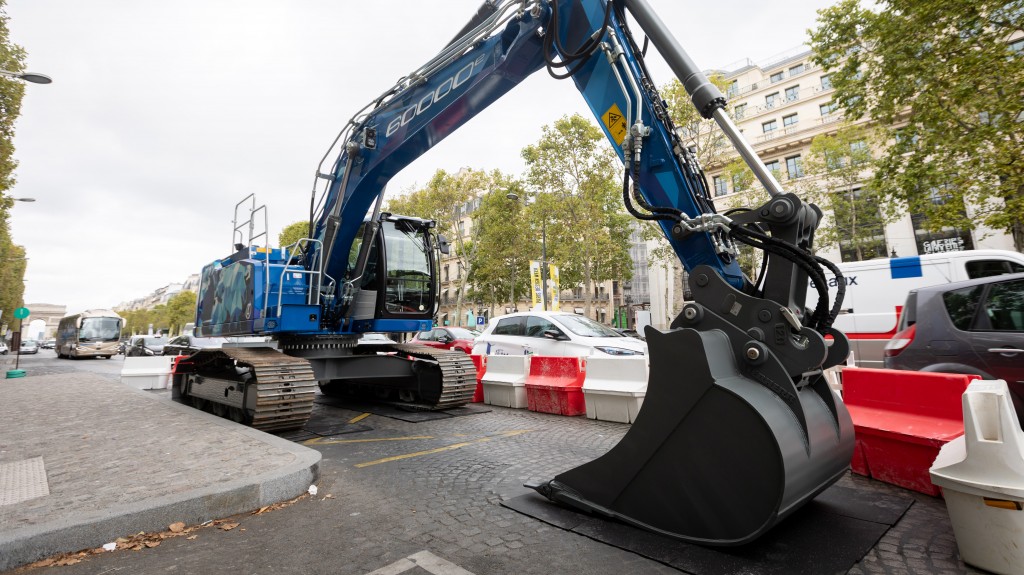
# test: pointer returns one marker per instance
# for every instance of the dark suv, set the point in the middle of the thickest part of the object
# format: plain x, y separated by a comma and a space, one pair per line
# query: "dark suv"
974, 326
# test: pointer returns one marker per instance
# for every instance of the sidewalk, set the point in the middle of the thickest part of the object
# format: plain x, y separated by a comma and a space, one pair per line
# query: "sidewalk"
84, 460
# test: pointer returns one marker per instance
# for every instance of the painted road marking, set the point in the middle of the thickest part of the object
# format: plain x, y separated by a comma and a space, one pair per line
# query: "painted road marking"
440, 449
359, 418
426, 561
325, 441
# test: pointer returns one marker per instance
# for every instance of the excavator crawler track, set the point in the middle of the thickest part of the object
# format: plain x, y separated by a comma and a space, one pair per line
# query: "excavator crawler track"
278, 389
458, 377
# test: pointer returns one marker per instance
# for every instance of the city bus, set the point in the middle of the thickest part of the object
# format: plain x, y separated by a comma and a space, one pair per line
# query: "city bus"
92, 333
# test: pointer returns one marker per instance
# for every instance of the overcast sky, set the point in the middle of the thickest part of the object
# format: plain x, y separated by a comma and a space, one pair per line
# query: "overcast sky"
163, 115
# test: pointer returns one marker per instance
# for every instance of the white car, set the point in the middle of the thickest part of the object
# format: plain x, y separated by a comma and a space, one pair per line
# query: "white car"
556, 334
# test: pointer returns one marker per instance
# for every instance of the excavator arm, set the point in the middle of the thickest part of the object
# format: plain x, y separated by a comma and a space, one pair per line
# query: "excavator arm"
739, 427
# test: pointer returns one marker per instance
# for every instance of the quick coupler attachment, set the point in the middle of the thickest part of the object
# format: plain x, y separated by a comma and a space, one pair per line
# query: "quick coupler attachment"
715, 457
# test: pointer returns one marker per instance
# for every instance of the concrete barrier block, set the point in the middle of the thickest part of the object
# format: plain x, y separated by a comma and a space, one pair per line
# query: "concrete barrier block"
147, 372
504, 382
615, 387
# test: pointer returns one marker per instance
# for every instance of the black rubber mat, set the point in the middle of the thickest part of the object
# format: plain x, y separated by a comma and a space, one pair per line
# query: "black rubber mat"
828, 535
395, 411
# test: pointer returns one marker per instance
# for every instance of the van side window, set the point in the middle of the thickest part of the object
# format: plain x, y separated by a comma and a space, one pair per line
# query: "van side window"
1005, 306
509, 326
987, 268
962, 304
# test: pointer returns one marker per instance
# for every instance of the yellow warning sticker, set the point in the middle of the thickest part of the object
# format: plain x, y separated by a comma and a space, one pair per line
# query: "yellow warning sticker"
616, 123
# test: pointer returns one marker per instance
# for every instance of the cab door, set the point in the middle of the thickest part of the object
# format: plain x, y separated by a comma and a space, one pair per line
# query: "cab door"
538, 342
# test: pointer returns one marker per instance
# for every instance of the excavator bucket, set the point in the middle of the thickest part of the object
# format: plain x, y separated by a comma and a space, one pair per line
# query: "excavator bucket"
715, 457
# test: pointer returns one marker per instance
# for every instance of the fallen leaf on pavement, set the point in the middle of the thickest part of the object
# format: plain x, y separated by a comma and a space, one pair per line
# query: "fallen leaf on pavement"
176, 527
152, 544
191, 537
228, 526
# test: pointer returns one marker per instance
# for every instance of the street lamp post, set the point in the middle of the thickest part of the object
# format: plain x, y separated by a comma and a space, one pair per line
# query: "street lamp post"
27, 76
543, 253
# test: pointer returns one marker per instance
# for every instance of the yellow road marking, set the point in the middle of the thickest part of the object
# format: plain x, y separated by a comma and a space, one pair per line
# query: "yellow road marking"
440, 449
359, 418
325, 441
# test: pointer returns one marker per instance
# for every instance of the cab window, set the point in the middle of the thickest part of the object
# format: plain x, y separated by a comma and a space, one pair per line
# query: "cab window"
962, 304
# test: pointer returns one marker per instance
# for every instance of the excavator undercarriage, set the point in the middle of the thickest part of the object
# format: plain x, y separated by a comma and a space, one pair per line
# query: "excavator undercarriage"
274, 391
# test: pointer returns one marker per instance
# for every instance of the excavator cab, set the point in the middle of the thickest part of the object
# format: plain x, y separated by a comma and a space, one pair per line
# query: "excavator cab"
392, 278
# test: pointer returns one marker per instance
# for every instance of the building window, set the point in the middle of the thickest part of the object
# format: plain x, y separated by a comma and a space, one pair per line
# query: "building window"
795, 167
798, 69
826, 83
769, 126
777, 77
773, 167
733, 89
858, 151
771, 100
739, 111
827, 109
721, 187
737, 182
790, 120
793, 93
446, 272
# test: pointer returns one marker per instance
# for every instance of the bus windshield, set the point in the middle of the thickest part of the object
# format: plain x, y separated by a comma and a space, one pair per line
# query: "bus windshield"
100, 329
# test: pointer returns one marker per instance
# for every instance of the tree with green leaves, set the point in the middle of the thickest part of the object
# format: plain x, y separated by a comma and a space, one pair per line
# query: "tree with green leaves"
292, 233
944, 82
12, 257
575, 178
444, 200
505, 245
840, 166
181, 309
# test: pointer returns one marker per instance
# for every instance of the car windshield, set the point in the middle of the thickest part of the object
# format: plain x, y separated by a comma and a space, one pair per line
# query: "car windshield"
153, 342
461, 333
28, 343
586, 327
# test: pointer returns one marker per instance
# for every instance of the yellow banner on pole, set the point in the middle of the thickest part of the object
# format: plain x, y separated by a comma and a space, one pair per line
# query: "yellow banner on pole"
535, 283
553, 286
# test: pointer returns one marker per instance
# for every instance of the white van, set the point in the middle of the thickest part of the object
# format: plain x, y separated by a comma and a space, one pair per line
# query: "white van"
876, 290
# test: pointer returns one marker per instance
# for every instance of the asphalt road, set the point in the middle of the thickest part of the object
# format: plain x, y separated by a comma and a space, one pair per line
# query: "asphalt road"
391, 490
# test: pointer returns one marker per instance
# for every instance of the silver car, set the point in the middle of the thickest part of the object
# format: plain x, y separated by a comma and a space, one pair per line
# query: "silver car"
973, 327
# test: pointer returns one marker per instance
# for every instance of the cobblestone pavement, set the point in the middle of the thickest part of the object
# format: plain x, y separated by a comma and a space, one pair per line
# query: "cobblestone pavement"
402, 488
113, 458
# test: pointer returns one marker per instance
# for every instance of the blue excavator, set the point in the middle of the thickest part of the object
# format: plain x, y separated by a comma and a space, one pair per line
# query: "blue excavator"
739, 427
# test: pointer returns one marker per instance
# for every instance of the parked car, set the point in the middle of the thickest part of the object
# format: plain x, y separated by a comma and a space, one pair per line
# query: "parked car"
189, 344
553, 334
28, 346
973, 327
458, 338
48, 344
3, 348
145, 345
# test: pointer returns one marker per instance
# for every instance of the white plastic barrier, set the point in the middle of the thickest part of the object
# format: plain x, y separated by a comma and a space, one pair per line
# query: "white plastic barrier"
615, 387
982, 477
147, 372
504, 382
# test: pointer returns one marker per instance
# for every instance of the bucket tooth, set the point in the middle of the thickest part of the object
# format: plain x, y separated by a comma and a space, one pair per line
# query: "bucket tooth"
714, 457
